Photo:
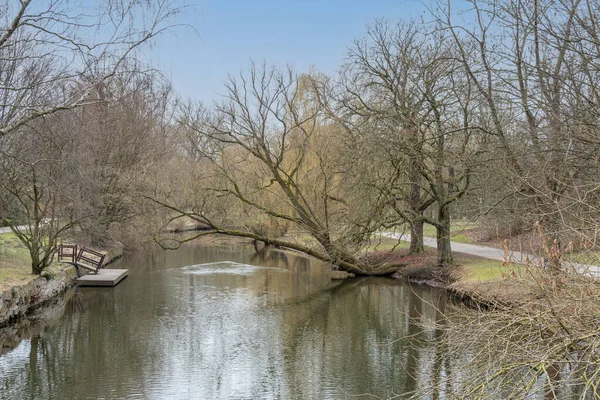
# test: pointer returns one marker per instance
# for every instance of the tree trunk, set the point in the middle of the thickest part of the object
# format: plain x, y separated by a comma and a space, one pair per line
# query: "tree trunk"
36, 268
416, 237
549, 230
416, 225
34, 249
444, 250
334, 256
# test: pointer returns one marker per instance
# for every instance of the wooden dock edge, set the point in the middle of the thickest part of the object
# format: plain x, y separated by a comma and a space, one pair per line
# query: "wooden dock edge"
104, 277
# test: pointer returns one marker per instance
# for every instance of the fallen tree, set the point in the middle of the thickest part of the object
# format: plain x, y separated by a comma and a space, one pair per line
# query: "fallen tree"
348, 264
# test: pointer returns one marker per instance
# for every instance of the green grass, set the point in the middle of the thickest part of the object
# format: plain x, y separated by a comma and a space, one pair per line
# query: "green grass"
478, 269
378, 243
591, 257
15, 262
428, 230
457, 231
387, 244
12, 249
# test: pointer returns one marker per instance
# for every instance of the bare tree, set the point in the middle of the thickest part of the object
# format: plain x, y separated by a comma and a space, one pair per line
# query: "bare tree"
544, 346
36, 190
53, 53
55, 56
379, 102
533, 66
402, 97
120, 139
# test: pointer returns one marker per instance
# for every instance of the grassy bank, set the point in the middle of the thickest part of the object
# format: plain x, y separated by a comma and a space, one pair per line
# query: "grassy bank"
468, 274
22, 291
15, 262
471, 277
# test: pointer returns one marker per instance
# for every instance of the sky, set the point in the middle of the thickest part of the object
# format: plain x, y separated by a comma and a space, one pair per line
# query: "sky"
225, 35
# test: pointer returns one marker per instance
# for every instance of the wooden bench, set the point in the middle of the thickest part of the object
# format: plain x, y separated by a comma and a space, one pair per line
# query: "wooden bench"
84, 258
67, 253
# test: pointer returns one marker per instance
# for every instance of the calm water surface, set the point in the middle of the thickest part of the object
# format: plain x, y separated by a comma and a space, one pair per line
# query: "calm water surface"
223, 323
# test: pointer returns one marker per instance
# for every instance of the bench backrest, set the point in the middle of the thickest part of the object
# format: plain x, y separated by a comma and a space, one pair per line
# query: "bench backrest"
91, 257
67, 252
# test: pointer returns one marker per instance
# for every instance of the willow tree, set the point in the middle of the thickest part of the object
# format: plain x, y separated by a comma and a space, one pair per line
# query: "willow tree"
274, 154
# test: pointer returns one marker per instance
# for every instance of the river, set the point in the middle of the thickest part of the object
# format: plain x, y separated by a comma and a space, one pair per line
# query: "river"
223, 323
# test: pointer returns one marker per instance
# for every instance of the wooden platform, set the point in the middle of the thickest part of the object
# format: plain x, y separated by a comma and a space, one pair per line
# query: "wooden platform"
104, 277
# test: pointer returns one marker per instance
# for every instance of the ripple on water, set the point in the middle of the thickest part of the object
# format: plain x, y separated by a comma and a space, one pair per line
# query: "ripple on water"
227, 267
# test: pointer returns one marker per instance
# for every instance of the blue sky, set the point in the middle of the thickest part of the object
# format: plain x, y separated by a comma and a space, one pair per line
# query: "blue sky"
228, 33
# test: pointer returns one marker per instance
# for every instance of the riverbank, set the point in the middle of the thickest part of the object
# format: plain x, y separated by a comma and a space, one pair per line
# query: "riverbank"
469, 278
22, 292
264, 318
20, 300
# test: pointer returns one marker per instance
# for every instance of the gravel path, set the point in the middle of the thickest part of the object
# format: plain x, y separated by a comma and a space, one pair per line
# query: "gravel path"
493, 253
7, 229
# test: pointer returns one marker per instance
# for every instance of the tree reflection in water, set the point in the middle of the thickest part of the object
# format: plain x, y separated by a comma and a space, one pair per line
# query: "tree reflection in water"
225, 322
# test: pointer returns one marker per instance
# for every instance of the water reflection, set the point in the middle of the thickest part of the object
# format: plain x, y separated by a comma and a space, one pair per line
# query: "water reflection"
223, 322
